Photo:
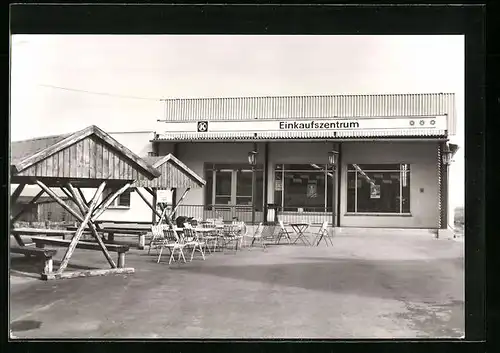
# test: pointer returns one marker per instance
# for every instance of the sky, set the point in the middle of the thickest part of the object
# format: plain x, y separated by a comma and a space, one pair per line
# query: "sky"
63, 83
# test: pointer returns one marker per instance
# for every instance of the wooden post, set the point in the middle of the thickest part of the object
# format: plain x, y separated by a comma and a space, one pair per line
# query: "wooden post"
48, 266
121, 260
147, 202
16, 193
106, 204
79, 231
155, 202
142, 241
26, 207
84, 209
58, 200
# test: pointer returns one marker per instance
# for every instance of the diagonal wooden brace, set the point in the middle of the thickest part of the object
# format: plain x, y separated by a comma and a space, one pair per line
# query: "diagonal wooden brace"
79, 231
147, 202
58, 200
180, 201
26, 207
79, 202
76, 197
103, 207
15, 195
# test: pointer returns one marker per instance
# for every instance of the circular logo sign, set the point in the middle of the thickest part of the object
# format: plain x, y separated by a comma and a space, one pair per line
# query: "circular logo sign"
412, 122
433, 122
422, 122
202, 126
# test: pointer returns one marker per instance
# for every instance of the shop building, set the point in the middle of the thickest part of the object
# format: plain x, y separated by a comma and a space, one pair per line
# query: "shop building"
354, 161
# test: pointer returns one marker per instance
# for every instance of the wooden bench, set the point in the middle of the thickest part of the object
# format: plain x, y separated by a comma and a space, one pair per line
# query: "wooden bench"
45, 254
40, 242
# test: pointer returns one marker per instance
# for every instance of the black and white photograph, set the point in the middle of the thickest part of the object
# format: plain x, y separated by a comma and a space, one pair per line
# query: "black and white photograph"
237, 186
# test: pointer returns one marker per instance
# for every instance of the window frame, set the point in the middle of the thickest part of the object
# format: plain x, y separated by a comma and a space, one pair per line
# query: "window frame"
401, 170
115, 204
281, 169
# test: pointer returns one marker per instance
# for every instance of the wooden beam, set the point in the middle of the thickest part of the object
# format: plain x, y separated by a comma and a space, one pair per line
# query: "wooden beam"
83, 197
180, 201
77, 198
59, 200
150, 191
103, 208
79, 231
66, 192
16, 193
87, 273
147, 202
26, 207
84, 209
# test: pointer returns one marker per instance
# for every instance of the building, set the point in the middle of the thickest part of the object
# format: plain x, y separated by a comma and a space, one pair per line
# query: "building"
390, 171
390, 168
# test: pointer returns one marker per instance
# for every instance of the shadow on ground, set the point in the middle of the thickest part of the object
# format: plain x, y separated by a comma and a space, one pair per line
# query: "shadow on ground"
388, 279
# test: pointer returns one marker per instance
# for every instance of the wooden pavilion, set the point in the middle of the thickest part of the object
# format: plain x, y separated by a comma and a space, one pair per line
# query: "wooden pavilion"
89, 158
174, 175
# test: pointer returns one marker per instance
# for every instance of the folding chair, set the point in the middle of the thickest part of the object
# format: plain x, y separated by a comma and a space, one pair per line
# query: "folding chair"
173, 244
190, 238
283, 233
257, 236
323, 234
157, 236
230, 234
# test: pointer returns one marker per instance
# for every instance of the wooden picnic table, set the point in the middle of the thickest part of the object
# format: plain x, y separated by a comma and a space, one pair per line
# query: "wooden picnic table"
111, 231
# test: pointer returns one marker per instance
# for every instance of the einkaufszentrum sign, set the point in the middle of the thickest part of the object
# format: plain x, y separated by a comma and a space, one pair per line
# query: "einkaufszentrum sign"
285, 125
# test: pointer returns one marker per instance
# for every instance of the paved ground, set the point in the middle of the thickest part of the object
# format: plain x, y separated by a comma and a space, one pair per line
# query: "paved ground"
368, 285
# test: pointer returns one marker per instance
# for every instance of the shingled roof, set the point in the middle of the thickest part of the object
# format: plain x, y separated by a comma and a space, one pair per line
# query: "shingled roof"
22, 149
28, 155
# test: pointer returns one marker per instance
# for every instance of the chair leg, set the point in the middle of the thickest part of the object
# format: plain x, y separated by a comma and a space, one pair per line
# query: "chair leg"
159, 255
171, 256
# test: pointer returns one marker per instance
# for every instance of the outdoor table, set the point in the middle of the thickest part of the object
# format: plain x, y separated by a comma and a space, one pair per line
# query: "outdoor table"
111, 231
300, 228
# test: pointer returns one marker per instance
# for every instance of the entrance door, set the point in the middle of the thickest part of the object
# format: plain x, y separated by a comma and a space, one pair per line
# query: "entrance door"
233, 193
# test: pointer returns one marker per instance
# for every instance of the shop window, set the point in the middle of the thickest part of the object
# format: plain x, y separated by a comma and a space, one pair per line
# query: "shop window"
378, 188
303, 187
122, 201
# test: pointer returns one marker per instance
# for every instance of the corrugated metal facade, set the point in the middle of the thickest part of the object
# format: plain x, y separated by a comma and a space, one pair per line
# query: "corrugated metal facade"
306, 107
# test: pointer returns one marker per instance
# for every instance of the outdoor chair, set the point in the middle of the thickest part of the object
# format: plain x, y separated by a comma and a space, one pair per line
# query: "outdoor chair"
283, 233
257, 236
191, 239
173, 244
231, 234
157, 236
323, 234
